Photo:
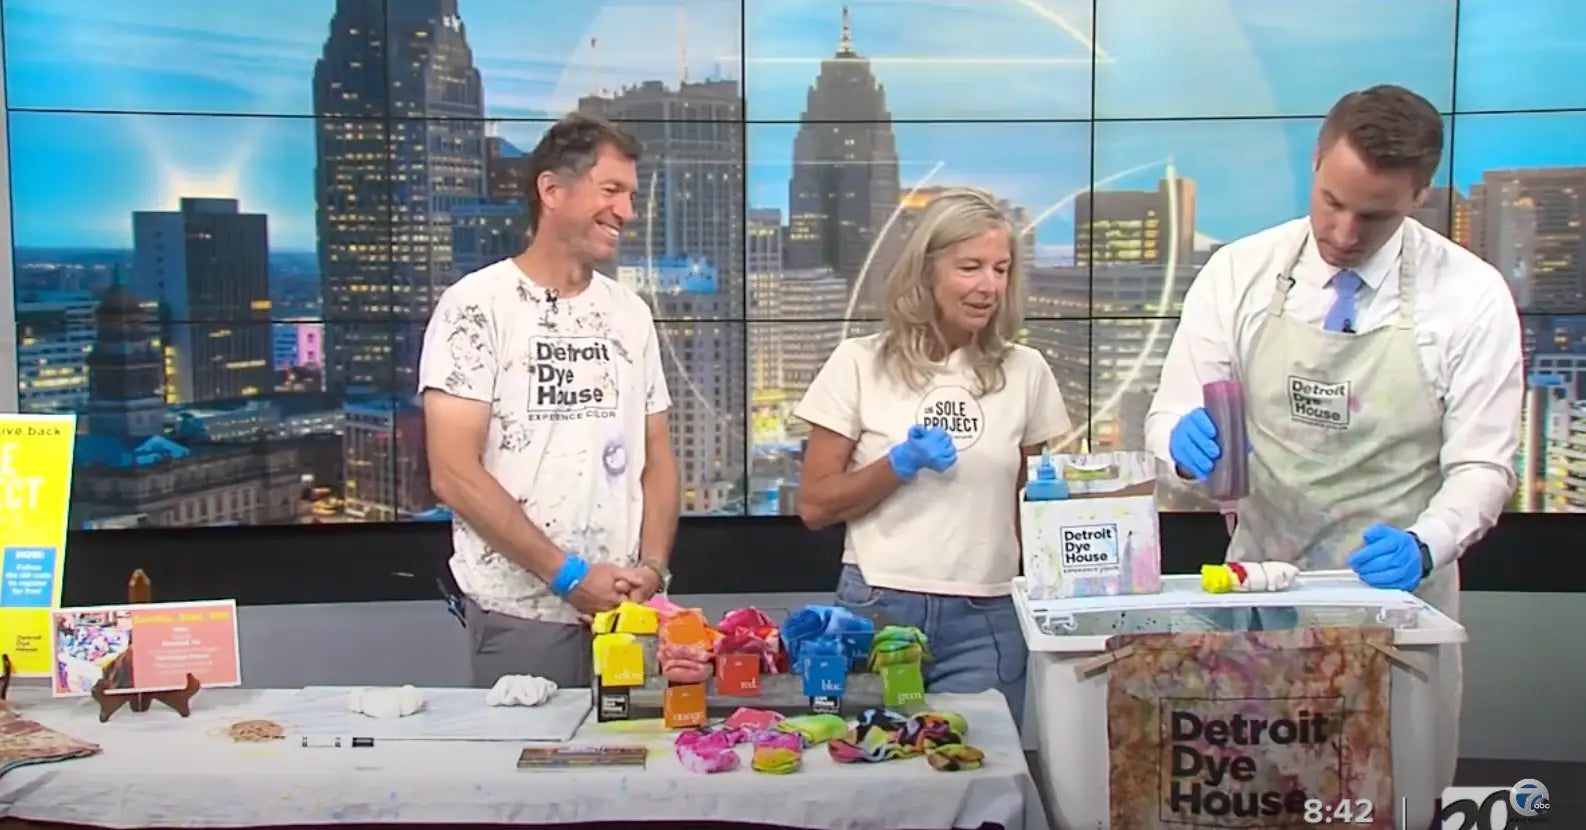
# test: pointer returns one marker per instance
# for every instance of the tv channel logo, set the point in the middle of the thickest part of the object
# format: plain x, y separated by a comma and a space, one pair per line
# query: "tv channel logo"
1529, 798
1494, 808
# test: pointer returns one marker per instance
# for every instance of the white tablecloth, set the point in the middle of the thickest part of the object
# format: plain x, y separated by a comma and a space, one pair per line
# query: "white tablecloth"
159, 770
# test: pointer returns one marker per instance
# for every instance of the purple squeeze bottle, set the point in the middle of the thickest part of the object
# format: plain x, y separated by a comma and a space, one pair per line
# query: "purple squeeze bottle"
1230, 476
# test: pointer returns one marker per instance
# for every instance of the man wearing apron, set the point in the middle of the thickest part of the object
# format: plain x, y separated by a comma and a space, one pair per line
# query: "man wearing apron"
1382, 372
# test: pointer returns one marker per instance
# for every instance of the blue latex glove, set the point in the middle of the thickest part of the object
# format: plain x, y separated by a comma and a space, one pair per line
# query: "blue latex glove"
925, 449
1193, 444
1391, 558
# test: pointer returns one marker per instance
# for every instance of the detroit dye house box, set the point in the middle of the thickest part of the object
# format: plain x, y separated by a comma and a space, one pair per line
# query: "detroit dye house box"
1104, 539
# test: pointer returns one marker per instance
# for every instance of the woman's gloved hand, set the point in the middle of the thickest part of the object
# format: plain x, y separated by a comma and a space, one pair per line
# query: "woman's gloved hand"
926, 448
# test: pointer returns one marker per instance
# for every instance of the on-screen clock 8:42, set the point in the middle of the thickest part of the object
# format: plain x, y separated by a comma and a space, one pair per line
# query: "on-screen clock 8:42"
1343, 811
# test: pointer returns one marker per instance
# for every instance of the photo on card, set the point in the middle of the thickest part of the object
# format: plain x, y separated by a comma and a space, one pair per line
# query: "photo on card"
91, 646
149, 647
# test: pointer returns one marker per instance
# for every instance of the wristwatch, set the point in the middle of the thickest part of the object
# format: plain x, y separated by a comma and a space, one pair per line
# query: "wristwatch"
1426, 556
661, 571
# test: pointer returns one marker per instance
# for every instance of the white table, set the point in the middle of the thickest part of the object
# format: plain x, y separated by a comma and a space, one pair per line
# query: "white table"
158, 770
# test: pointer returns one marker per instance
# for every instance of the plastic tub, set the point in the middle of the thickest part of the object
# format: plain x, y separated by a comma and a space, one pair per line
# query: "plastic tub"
1068, 716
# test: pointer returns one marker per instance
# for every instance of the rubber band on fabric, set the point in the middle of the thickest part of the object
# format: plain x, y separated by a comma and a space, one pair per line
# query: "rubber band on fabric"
254, 731
777, 752
709, 749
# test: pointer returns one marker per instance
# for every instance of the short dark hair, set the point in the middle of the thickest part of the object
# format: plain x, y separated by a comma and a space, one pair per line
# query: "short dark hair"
1391, 127
569, 148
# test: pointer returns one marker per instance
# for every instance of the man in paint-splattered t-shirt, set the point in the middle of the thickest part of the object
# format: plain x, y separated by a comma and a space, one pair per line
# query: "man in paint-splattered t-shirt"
545, 418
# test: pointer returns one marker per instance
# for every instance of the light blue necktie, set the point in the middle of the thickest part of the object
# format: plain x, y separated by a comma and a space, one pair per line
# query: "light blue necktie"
1342, 315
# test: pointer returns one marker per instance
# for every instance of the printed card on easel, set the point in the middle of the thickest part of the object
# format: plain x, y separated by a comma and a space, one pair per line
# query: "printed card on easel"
145, 648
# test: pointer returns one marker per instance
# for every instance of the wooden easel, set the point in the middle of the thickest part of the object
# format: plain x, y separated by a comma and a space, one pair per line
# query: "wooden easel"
138, 591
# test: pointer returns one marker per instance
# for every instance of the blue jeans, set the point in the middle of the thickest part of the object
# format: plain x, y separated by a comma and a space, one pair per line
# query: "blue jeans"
975, 641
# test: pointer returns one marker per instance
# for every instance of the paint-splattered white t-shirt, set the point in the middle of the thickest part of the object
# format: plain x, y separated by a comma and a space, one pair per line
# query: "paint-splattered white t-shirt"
570, 382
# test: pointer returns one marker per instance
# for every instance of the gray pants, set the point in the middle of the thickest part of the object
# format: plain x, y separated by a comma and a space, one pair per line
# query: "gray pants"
501, 644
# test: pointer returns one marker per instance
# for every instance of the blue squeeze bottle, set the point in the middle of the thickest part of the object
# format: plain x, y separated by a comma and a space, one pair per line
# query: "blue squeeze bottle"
1046, 486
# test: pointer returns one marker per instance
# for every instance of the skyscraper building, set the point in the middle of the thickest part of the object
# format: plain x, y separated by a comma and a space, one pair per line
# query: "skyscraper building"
689, 212
486, 233
126, 375
1529, 224
386, 470
1134, 226
506, 172
763, 260
400, 144
1545, 425
845, 169
55, 333
1437, 210
763, 263
130, 472
803, 311
690, 200
207, 265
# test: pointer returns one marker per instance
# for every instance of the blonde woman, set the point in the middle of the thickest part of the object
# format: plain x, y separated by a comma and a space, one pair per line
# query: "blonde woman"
918, 439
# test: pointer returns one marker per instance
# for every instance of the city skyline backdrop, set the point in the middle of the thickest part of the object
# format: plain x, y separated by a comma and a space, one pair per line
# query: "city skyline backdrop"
170, 156
230, 227
149, 161
1251, 59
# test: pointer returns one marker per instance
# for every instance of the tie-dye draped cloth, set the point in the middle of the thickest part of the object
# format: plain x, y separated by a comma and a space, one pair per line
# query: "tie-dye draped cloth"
1242, 729
24, 742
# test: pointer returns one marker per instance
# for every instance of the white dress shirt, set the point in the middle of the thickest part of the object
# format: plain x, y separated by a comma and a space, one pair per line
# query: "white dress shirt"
1470, 348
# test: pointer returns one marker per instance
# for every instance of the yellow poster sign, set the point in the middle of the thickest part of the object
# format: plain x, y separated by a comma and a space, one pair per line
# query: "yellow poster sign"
35, 492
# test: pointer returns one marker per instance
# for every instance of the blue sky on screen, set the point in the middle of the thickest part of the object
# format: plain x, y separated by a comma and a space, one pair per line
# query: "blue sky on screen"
78, 177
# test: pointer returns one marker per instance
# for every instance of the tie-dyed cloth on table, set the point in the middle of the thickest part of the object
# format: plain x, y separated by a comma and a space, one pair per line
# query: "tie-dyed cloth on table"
710, 749
24, 742
882, 735
878, 735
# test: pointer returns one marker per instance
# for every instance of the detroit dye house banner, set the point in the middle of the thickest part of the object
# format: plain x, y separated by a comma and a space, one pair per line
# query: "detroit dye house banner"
1245, 730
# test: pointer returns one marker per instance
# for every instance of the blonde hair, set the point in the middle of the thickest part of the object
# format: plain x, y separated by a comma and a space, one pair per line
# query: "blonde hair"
913, 333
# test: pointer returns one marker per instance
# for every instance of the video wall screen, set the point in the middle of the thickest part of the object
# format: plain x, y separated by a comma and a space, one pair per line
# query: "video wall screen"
232, 220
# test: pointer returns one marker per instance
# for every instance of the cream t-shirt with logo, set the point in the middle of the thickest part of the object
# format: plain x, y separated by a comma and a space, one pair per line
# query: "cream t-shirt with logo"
943, 533
569, 384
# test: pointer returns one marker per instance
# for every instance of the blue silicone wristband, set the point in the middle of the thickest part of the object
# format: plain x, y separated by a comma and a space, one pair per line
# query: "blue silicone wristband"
572, 572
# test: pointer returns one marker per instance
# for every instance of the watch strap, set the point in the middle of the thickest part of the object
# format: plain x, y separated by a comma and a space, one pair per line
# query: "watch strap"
1426, 556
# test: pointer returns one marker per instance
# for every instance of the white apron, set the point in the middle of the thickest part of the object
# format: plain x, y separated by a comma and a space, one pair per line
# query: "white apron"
1345, 432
